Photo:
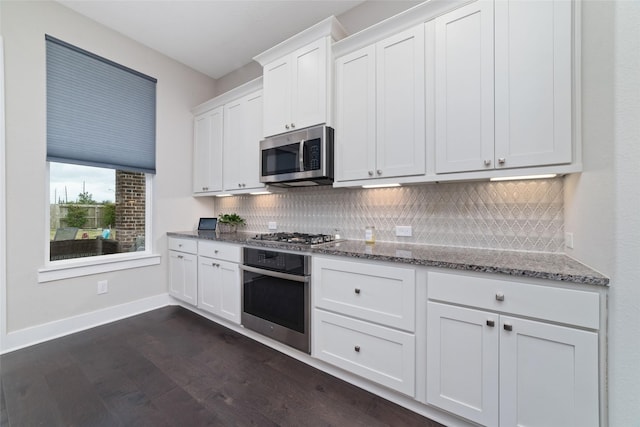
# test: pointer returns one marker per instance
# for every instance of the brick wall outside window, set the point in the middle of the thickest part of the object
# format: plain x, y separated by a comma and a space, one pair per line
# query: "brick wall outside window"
130, 210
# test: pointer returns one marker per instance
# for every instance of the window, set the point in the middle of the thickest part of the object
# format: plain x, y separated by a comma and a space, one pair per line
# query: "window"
95, 211
101, 153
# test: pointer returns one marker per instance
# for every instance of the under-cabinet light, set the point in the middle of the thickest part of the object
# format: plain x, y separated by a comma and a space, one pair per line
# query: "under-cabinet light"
513, 178
260, 193
224, 195
380, 185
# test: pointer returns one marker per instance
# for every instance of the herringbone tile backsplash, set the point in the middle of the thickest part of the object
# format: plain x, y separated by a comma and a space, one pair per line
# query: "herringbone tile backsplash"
513, 215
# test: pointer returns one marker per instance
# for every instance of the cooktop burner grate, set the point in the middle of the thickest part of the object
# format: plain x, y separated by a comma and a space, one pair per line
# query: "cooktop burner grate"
295, 238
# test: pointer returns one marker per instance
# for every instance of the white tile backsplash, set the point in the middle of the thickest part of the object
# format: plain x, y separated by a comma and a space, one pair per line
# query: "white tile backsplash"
514, 215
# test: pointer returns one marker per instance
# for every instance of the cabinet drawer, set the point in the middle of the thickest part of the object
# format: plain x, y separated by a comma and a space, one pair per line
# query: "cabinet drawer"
218, 250
183, 245
381, 294
374, 352
569, 306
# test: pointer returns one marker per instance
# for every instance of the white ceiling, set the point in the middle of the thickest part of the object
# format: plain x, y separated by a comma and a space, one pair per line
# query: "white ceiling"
214, 37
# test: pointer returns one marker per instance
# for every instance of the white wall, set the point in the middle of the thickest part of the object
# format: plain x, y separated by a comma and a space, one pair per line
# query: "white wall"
179, 88
602, 205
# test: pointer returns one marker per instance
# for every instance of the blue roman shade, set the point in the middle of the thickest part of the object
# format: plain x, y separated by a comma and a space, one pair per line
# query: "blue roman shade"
99, 113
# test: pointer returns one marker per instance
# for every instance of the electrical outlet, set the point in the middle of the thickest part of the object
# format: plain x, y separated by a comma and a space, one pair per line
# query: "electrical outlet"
403, 230
273, 225
103, 287
568, 240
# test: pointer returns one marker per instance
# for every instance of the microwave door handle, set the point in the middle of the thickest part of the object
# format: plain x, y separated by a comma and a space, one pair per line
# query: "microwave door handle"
301, 156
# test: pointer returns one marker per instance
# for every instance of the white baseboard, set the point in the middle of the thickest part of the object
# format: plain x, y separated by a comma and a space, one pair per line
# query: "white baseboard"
59, 328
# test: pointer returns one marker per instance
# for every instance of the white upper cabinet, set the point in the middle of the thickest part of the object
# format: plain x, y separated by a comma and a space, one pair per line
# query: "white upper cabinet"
207, 151
242, 134
297, 79
400, 104
227, 133
296, 89
533, 42
504, 87
355, 146
380, 109
464, 89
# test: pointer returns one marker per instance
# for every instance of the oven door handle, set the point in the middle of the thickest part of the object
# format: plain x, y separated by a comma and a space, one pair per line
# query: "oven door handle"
277, 274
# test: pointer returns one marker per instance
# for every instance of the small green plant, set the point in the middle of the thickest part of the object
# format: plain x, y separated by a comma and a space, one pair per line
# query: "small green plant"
233, 219
76, 216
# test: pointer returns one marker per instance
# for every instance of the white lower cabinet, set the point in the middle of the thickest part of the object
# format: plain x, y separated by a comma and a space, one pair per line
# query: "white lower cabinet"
219, 280
495, 368
364, 320
183, 283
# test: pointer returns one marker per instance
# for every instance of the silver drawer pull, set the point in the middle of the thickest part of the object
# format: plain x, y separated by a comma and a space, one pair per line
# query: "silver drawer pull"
508, 327
491, 323
357, 349
357, 291
499, 296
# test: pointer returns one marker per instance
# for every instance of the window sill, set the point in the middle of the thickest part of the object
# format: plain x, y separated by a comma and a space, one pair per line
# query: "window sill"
58, 270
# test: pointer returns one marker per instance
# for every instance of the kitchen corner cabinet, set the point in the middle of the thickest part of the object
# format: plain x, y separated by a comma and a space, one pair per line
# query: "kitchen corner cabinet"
219, 279
242, 135
509, 353
295, 89
183, 270
207, 151
380, 109
530, 61
227, 134
364, 320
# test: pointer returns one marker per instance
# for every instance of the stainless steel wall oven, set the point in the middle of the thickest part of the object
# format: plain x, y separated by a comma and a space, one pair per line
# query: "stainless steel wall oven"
275, 295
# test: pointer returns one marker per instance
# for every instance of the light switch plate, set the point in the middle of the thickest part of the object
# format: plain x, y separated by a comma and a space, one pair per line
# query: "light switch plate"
273, 225
403, 231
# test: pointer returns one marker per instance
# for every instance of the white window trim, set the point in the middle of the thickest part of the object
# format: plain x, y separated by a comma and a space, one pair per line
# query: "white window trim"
78, 267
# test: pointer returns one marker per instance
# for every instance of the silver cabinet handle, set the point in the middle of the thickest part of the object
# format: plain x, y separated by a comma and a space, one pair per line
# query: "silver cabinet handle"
180, 257
370, 173
502, 160
487, 162
357, 291
499, 296
508, 327
286, 126
293, 125
491, 323
379, 171
357, 349
215, 251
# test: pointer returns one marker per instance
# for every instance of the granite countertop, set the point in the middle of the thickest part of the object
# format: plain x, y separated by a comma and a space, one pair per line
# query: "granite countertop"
550, 266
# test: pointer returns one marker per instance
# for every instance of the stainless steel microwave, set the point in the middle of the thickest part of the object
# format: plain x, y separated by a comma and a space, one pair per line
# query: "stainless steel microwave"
300, 158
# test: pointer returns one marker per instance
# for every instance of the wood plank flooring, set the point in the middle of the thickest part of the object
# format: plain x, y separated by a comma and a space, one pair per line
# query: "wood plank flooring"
171, 367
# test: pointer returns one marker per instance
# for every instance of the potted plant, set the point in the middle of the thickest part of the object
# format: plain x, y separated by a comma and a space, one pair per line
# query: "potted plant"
229, 223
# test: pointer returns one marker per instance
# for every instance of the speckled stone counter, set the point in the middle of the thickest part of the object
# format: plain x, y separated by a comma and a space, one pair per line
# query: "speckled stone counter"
558, 267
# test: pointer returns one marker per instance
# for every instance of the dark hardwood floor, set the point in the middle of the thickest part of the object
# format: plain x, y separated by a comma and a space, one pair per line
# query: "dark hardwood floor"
171, 367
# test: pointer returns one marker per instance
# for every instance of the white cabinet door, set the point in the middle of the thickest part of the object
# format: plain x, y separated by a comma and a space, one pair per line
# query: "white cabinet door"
207, 151
309, 79
242, 134
462, 362
183, 281
277, 96
533, 57
355, 143
549, 375
400, 104
219, 288
464, 89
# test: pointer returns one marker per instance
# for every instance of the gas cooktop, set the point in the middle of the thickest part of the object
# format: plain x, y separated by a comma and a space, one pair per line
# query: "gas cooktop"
304, 239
